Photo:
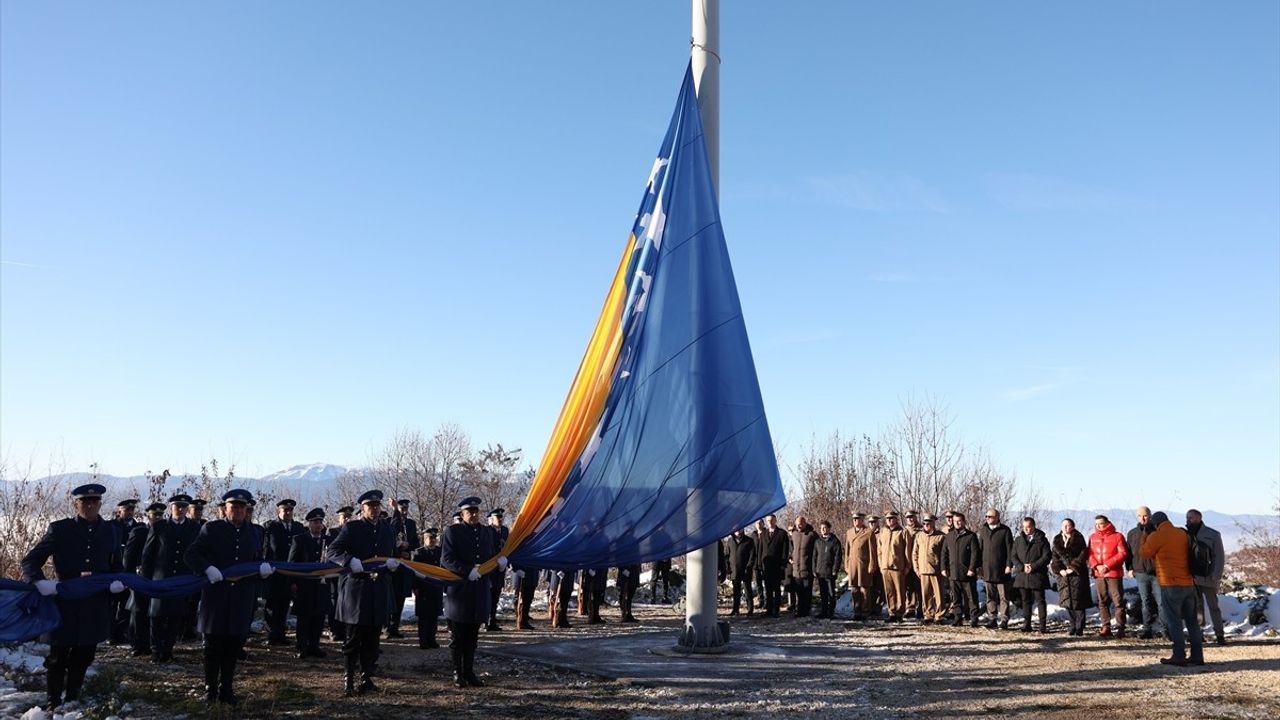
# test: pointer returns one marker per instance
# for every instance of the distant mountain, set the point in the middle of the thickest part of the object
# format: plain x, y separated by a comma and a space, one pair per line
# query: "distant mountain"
307, 474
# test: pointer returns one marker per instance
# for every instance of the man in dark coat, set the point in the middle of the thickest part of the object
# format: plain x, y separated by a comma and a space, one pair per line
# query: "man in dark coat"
1031, 557
337, 629
125, 523
1071, 565
961, 560
775, 550
364, 598
226, 604
163, 556
828, 558
280, 534
428, 596
996, 540
402, 579
139, 604
742, 563
628, 583
195, 513
498, 578
80, 546
465, 546
311, 599
802, 541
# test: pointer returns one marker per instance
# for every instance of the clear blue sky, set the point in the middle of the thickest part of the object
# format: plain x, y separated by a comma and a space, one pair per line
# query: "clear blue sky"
278, 232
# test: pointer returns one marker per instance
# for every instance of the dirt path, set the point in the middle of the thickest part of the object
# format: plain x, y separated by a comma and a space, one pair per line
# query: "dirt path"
809, 668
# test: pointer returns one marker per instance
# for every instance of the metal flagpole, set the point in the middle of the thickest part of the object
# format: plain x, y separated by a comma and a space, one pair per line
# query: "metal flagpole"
702, 632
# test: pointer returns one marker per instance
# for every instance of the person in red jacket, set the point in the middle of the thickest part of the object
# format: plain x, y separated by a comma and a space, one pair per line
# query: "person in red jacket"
1107, 552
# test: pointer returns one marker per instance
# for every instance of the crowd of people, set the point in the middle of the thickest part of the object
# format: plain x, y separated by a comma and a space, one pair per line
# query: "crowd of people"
899, 569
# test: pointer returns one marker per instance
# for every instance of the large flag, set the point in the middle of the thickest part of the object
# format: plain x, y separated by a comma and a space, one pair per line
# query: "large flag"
662, 446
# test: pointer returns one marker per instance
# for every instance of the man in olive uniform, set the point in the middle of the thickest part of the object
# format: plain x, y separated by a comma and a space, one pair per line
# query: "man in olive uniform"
227, 603
877, 582
83, 545
280, 534
311, 600
893, 543
364, 598
926, 560
428, 596
163, 556
125, 523
465, 547
861, 565
402, 579
337, 629
498, 578
139, 604
912, 525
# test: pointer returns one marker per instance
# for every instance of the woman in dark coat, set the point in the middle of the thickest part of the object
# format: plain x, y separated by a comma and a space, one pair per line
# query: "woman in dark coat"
1030, 560
1071, 566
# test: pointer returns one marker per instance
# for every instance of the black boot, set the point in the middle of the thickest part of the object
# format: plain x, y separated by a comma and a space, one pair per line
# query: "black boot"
350, 688
227, 671
366, 684
458, 679
468, 672
55, 680
210, 679
75, 681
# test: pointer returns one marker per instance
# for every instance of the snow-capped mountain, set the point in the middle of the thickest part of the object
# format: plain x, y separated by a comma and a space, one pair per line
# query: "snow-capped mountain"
307, 474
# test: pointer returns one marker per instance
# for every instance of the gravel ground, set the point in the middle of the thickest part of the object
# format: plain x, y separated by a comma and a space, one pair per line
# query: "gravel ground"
814, 669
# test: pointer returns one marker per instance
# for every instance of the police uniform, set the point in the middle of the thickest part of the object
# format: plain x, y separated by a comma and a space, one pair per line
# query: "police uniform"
279, 537
311, 602
628, 584
428, 596
163, 557
139, 605
193, 602
406, 534
560, 594
226, 604
526, 585
120, 601
498, 578
364, 598
465, 546
79, 548
337, 628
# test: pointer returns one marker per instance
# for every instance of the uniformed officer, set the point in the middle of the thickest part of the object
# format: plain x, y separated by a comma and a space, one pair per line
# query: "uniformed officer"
628, 583
364, 598
311, 602
428, 596
140, 605
465, 546
498, 578
280, 534
337, 628
124, 521
525, 579
226, 604
195, 513
163, 557
406, 531
80, 546
598, 579
559, 595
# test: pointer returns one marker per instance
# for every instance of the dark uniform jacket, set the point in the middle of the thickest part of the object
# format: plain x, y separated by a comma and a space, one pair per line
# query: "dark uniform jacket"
132, 562
1036, 553
1074, 589
774, 549
163, 556
463, 547
960, 554
406, 531
828, 556
226, 608
997, 546
312, 596
742, 556
78, 548
280, 538
363, 598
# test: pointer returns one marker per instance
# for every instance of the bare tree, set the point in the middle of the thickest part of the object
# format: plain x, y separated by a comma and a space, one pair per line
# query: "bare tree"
27, 505
491, 474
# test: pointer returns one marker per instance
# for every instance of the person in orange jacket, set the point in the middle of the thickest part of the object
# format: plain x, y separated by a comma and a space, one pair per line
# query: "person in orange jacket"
1167, 546
1107, 553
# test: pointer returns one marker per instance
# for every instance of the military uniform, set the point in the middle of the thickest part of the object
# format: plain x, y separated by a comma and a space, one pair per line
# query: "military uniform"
894, 547
428, 596
628, 583
120, 601
464, 547
526, 585
364, 598
79, 548
162, 557
498, 578
195, 514
279, 589
311, 601
226, 604
560, 594
337, 628
139, 605
402, 580
862, 566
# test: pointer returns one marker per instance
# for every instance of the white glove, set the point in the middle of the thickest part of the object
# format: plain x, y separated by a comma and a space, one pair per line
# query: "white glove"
560, 574
626, 573
214, 574
356, 565
265, 570
116, 587
502, 563
1064, 573
47, 587
475, 574
392, 563
592, 573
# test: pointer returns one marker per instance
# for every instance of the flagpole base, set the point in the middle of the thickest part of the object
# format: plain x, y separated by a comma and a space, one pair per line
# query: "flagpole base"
704, 640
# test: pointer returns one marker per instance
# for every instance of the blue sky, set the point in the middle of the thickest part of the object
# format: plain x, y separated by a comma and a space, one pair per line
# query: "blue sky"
278, 232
